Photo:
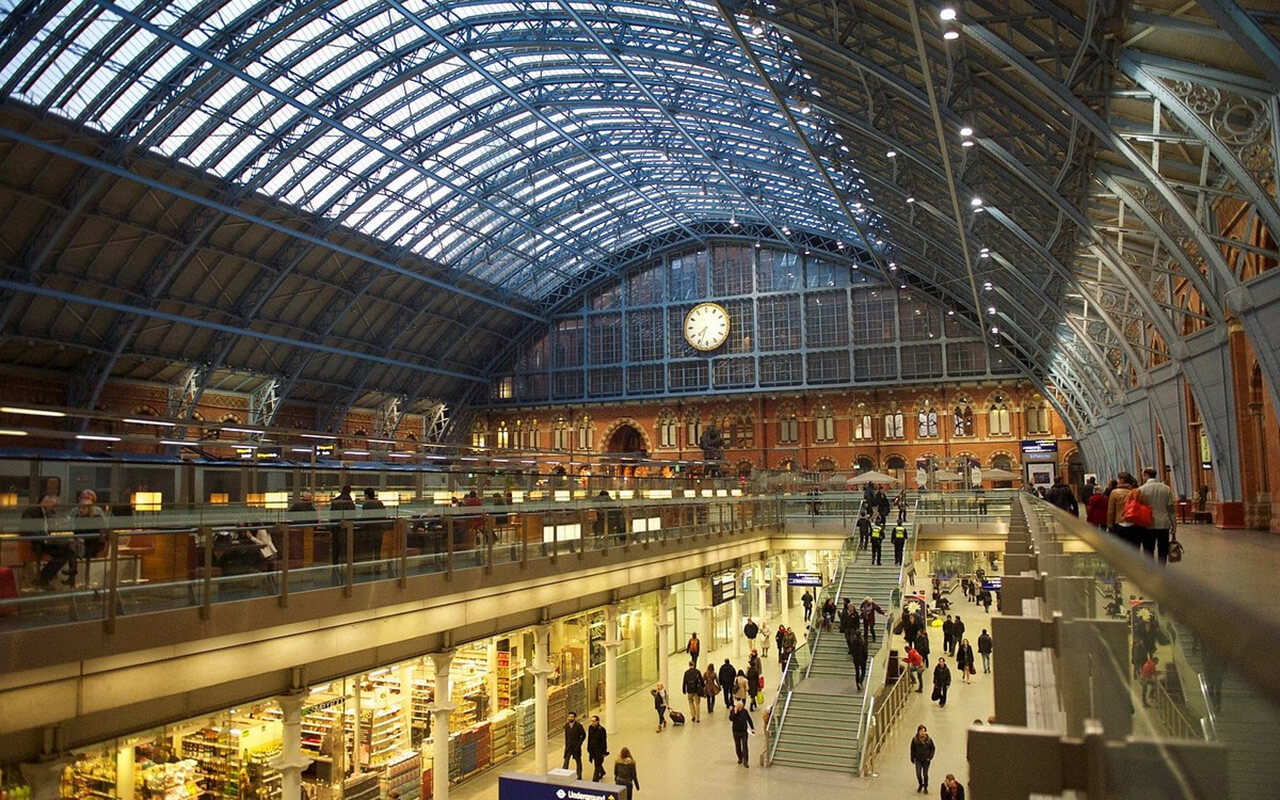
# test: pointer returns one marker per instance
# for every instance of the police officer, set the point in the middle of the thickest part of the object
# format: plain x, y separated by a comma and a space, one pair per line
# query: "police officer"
877, 538
899, 536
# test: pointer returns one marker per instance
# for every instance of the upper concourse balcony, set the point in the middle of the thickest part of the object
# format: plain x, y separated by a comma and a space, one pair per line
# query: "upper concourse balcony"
221, 605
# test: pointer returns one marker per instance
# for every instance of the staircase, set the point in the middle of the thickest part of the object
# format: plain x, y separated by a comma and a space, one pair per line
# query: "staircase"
820, 726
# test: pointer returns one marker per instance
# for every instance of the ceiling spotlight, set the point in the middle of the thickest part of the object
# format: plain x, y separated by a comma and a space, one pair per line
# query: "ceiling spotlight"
950, 33
967, 143
891, 154
994, 329
911, 198
733, 220
757, 245
893, 267
991, 311
975, 202
951, 312
803, 107
947, 13
966, 131
786, 229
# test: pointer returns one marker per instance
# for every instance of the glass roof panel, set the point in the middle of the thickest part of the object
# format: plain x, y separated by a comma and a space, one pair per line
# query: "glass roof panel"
552, 152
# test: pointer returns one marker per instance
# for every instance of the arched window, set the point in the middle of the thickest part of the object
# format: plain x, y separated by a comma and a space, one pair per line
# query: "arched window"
692, 428
998, 417
825, 467
863, 428
1037, 416
531, 435
894, 425
743, 430
824, 426
788, 465
1002, 461
479, 434
863, 464
517, 429
963, 420
502, 435
586, 433
560, 434
788, 426
895, 462
667, 428
927, 422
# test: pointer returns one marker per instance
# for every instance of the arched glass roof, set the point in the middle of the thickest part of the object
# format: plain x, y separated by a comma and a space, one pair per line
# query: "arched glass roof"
521, 143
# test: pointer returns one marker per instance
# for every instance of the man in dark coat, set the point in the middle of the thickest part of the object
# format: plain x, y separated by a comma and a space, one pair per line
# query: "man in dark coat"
574, 736
858, 652
727, 676
597, 747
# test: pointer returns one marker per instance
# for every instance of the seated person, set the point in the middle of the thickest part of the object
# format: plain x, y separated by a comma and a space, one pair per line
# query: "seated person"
247, 551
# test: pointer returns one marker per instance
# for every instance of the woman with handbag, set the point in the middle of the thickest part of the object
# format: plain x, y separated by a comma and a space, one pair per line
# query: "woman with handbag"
1116, 523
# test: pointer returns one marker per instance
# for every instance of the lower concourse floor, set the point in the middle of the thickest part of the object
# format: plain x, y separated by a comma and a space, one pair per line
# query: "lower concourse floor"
697, 759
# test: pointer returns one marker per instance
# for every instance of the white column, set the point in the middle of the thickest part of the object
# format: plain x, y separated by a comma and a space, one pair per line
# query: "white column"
705, 609
735, 617
541, 669
291, 762
124, 770
440, 709
406, 675
664, 637
761, 612
611, 645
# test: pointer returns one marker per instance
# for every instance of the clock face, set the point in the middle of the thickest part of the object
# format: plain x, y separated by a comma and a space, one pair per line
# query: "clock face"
706, 326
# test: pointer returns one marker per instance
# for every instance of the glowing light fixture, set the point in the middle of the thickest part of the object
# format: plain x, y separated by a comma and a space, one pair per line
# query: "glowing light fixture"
94, 437
12, 432
147, 501
31, 412
947, 13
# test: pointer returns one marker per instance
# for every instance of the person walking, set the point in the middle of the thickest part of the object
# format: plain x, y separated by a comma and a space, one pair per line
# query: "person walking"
807, 600
624, 771
957, 633
742, 725
922, 646
984, 650
1163, 516
710, 687
660, 703
941, 682
863, 526
964, 660
693, 648
948, 632
574, 736
727, 676
922, 750
692, 687
765, 638
597, 747
751, 630
899, 536
858, 652
868, 610
1116, 523
877, 541
753, 681
951, 788
741, 688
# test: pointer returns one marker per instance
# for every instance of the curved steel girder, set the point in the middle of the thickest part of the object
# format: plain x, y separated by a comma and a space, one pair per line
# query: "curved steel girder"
779, 101
1146, 71
141, 312
239, 213
1107, 255
335, 124
1025, 238
671, 119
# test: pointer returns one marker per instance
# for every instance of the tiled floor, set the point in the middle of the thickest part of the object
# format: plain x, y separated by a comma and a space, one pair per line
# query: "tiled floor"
697, 760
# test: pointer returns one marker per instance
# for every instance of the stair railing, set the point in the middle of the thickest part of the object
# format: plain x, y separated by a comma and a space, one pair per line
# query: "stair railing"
786, 686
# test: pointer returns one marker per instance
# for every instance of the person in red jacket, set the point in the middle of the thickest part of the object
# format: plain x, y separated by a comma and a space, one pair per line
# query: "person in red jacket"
915, 667
1096, 509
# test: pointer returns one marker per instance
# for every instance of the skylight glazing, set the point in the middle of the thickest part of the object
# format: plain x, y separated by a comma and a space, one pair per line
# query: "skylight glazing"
501, 139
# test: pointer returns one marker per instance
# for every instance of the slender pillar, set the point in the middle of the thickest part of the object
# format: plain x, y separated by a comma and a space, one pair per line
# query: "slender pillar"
124, 770
735, 617
611, 644
541, 669
664, 637
440, 709
707, 611
291, 762
762, 613
406, 675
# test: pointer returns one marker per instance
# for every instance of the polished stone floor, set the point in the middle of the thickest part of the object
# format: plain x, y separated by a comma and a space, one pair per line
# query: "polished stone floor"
697, 760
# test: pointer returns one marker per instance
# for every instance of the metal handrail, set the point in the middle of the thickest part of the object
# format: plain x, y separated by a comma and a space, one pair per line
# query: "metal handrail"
1209, 723
879, 721
775, 720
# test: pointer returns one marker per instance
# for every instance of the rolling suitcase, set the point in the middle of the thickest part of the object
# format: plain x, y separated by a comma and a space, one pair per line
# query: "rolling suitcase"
677, 718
